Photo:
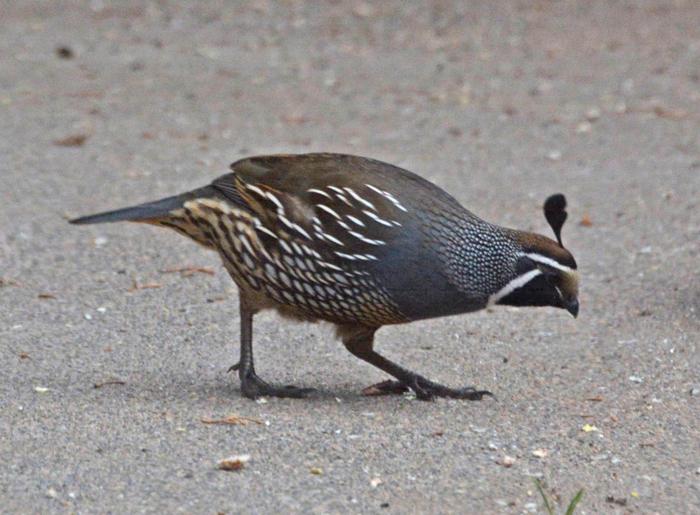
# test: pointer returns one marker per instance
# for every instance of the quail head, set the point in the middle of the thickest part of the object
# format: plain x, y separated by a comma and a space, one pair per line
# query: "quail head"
361, 244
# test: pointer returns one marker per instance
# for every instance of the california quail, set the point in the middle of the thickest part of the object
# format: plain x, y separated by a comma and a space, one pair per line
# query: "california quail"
361, 244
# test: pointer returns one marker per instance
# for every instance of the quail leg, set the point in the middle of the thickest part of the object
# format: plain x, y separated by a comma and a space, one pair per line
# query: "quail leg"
251, 385
360, 344
422, 386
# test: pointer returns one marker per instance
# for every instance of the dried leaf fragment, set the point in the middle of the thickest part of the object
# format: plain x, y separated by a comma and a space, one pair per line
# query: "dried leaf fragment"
316, 471
586, 220
77, 140
46, 296
540, 453
41, 389
235, 462
589, 428
65, 52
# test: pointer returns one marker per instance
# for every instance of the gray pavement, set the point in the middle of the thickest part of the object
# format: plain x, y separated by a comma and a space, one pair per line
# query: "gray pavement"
500, 103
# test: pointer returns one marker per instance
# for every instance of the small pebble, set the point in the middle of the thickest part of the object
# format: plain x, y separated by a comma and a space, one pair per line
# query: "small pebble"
584, 127
508, 461
51, 493
695, 391
636, 379
592, 114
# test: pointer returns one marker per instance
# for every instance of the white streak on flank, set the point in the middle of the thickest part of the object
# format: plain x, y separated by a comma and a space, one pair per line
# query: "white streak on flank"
274, 199
344, 199
326, 264
266, 231
353, 257
320, 192
311, 252
301, 231
328, 237
509, 288
396, 203
294, 226
286, 247
396, 223
374, 188
255, 189
366, 240
285, 221
360, 199
346, 256
354, 220
247, 245
328, 210
549, 262
343, 225
335, 188
389, 196
376, 218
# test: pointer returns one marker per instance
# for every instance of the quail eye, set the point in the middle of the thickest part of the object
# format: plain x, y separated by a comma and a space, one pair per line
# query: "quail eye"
554, 279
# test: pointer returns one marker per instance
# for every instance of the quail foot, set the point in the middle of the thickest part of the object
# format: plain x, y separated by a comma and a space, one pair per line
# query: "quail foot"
361, 244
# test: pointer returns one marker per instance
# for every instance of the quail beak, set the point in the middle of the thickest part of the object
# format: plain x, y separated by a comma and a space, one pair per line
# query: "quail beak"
571, 306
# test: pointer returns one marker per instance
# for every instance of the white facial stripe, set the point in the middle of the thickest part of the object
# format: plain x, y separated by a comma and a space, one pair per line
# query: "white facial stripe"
516, 283
549, 262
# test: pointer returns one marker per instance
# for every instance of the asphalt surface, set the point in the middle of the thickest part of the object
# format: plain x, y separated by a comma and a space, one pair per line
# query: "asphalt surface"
501, 103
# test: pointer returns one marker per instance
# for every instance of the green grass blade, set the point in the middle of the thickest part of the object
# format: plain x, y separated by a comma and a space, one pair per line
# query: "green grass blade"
574, 502
544, 497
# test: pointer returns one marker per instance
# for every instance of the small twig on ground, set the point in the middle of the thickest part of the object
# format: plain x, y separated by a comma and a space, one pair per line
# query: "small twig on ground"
188, 271
145, 286
233, 420
111, 381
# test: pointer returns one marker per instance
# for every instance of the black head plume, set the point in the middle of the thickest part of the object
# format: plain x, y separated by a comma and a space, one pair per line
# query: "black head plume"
555, 213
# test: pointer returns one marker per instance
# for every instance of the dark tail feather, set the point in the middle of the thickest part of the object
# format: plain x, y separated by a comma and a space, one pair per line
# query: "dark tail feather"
147, 211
